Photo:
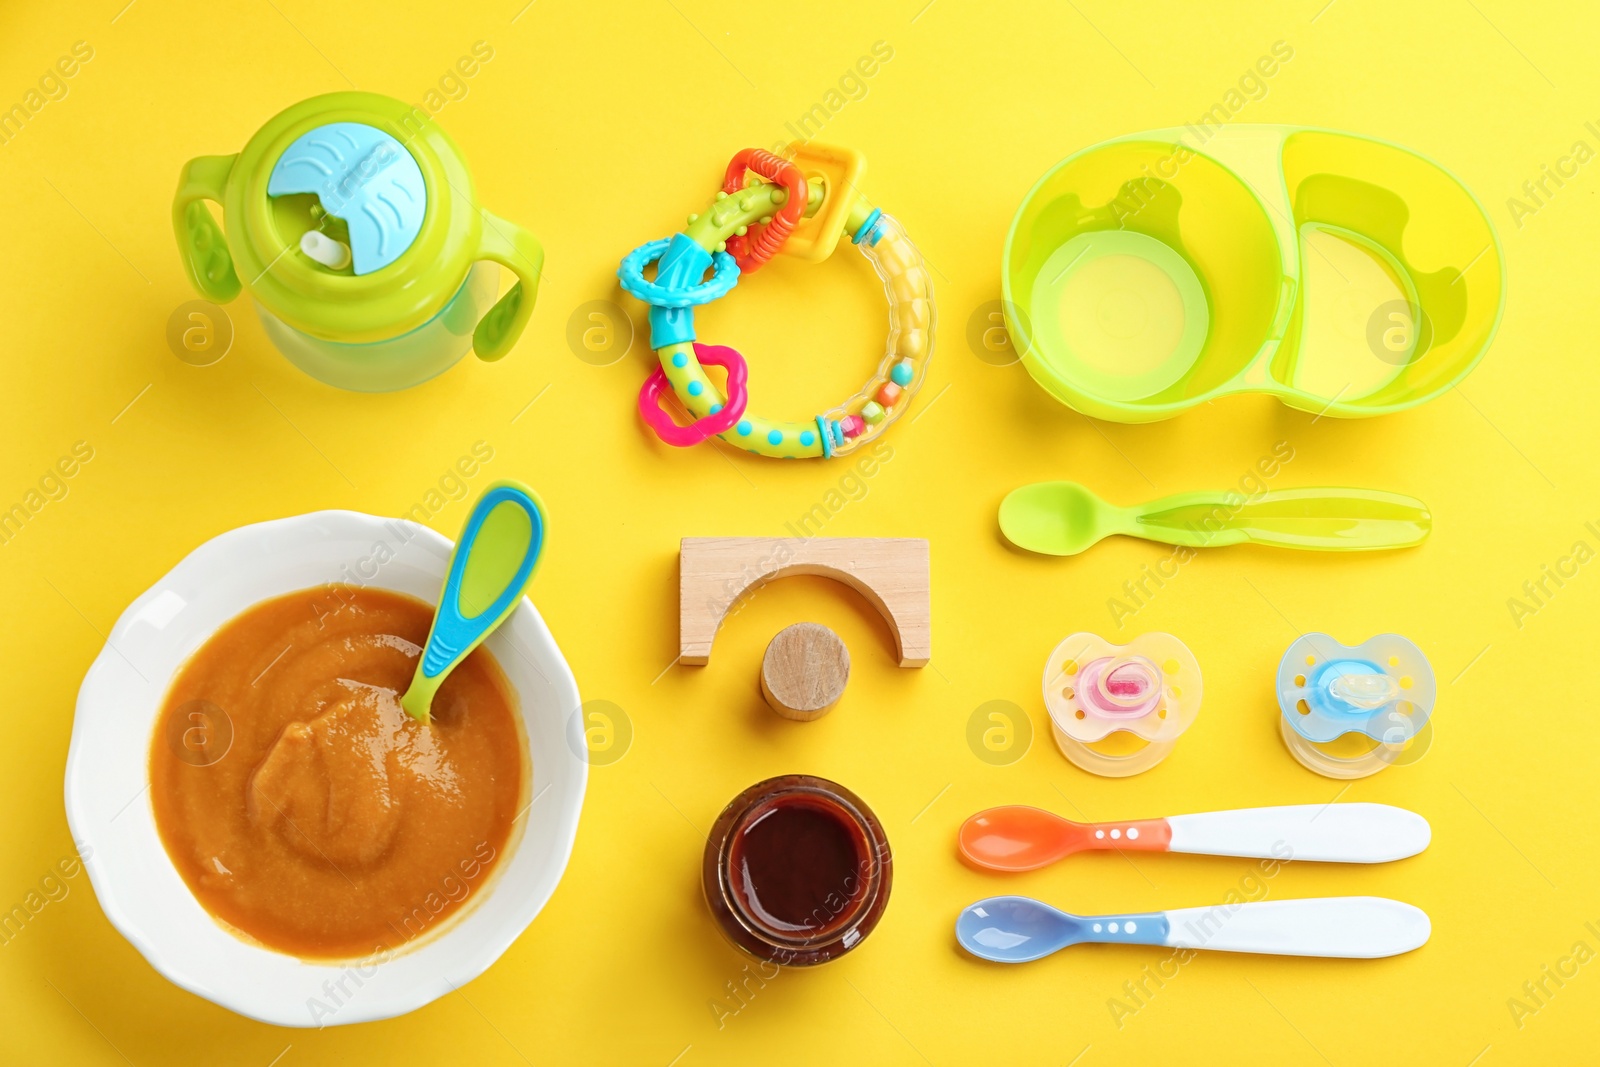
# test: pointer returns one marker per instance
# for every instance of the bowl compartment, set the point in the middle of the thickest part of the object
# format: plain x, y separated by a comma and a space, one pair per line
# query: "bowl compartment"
1140, 276
1401, 277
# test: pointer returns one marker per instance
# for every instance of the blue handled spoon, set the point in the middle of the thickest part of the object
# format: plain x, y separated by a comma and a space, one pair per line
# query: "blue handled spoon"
490, 568
1015, 929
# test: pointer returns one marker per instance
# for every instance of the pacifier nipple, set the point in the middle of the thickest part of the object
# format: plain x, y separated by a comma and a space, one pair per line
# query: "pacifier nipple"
1367, 691
335, 255
1124, 685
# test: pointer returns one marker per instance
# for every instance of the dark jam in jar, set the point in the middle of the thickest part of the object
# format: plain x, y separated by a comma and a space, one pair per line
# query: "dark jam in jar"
797, 870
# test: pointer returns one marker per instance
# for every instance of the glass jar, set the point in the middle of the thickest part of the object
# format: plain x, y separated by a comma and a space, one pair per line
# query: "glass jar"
797, 870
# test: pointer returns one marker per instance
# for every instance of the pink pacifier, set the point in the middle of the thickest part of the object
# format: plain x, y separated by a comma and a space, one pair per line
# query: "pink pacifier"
1117, 710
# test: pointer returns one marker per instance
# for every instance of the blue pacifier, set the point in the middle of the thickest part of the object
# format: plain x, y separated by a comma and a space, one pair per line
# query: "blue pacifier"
1350, 712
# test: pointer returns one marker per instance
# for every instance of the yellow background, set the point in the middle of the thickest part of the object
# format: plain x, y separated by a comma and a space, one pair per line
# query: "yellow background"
599, 126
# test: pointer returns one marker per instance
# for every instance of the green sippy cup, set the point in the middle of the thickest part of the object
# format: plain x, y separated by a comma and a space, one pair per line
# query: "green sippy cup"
351, 220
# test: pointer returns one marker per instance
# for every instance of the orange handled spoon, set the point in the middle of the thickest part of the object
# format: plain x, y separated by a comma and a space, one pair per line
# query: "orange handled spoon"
1019, 838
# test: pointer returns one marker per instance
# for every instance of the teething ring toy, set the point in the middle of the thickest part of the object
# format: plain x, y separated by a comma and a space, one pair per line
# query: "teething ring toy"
631, 273
718, 420
801, 206
755, 248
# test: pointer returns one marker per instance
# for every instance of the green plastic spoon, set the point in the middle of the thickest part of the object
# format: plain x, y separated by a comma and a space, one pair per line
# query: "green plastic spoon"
492, 564
1064, 518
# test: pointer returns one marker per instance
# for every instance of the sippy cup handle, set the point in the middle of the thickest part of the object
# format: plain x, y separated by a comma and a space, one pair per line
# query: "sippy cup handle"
518, 251
201, 243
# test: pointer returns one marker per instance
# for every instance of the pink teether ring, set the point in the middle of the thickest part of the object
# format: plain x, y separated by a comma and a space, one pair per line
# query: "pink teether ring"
658, 420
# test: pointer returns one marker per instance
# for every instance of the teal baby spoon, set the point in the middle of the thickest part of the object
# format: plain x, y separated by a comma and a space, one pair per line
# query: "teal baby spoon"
1064, 518
1021, 929
492, 564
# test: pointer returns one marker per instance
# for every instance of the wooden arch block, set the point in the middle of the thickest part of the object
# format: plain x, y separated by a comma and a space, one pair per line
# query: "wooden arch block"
891, 572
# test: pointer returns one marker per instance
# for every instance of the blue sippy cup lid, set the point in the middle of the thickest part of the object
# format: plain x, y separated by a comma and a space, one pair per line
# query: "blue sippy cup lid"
1383, 688
364, 177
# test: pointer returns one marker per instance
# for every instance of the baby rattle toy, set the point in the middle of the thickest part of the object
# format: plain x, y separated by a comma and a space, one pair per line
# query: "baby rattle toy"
800, 205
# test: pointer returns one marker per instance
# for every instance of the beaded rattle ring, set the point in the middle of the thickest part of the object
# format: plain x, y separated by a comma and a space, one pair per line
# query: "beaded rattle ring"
801, 205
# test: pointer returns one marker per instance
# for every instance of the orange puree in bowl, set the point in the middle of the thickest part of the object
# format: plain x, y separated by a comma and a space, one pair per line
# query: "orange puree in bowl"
302, 806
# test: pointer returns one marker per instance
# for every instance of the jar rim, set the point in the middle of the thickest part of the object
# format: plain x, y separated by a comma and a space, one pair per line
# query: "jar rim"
857, 901
842, 933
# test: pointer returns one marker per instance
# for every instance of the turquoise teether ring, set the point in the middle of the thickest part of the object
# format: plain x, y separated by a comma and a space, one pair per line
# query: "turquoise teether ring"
631, 274
825, 431
492, 564
682, 260
866, 231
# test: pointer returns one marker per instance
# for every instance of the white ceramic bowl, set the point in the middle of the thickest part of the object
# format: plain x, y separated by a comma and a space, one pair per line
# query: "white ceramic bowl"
108, 796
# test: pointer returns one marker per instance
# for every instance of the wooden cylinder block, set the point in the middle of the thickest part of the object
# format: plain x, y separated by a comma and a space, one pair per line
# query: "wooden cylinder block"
804, 671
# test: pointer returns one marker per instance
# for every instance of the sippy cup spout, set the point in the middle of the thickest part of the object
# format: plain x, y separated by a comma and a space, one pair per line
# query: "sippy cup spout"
333, 254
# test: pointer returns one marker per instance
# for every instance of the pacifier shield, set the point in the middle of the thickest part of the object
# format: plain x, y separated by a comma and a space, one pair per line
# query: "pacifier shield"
1383, 688
1149, 688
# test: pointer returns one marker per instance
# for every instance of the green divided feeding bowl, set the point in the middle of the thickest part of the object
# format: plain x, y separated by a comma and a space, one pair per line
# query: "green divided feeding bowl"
1343, 275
